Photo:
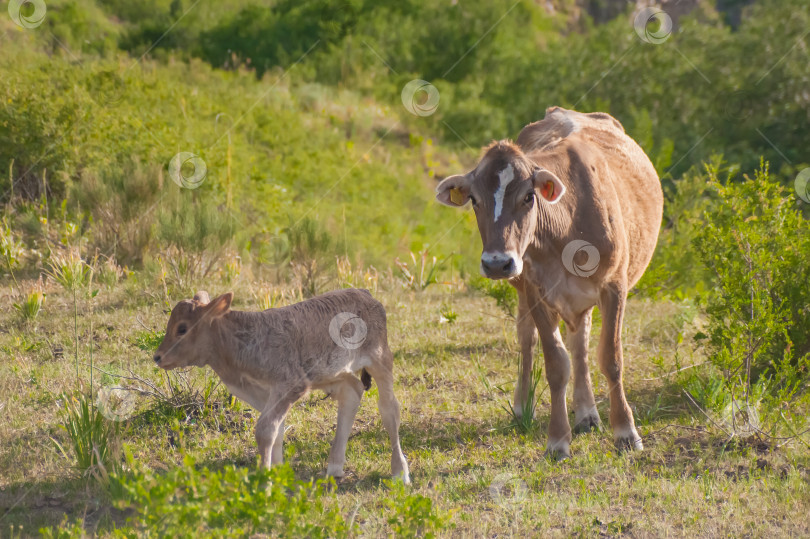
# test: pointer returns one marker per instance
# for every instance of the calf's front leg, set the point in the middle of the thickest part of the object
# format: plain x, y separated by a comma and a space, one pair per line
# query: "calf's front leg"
270, 425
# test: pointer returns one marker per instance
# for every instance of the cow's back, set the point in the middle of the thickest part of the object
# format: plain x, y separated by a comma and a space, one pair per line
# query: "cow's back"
610, 177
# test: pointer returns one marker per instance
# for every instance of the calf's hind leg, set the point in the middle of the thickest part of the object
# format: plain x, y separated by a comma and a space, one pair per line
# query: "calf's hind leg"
389, 412
348, 393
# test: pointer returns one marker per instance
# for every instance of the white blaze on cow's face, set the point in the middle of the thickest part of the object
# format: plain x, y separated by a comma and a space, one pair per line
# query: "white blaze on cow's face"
505, 176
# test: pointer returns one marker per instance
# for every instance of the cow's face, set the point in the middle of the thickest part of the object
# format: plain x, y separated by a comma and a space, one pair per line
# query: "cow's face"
188, 333
506, 191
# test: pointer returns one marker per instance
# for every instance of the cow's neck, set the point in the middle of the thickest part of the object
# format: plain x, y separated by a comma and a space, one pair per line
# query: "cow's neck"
236, 356
234, 337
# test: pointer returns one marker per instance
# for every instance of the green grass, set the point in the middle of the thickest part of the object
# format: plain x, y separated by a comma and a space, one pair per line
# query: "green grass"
452, 381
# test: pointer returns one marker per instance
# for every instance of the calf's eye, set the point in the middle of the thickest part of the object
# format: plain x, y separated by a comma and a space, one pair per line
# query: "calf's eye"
529, 199
182, 329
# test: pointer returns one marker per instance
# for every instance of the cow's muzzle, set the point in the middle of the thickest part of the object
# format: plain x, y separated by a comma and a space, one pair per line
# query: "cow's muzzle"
500, 265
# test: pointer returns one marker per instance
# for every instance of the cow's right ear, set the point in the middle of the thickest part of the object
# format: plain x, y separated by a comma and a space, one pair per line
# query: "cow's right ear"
219, 306
454, 190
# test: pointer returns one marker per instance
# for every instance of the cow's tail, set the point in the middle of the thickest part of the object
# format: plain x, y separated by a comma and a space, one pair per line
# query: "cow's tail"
365, 377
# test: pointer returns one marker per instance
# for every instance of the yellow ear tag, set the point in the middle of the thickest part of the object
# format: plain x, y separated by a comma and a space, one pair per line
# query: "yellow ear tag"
456, 196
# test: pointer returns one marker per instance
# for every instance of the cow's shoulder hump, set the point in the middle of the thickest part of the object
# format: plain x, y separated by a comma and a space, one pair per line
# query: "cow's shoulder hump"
560, 123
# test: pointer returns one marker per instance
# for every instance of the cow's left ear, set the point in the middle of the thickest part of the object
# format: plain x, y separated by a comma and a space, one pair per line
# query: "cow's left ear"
551, 188
454, 190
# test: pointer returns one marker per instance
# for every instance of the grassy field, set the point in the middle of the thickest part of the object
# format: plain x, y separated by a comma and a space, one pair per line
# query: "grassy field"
453, 379
317, 161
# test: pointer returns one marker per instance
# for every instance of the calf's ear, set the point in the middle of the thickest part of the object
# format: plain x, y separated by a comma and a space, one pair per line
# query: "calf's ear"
551, 188
201, 297
454, 190
220, 305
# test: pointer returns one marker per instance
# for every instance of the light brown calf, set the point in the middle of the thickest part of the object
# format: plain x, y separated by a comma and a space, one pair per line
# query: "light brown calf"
570, 215
273, 358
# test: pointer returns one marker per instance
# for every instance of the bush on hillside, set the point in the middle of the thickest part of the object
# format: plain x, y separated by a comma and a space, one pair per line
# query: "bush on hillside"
756, 245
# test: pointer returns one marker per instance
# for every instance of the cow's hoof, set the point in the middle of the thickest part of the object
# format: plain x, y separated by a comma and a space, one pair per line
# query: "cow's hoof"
560, 450
629, 441
517, 410
589, 423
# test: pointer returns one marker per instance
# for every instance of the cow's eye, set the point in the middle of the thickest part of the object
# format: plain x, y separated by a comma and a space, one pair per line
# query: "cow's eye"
182, 329
529, 199
473, 201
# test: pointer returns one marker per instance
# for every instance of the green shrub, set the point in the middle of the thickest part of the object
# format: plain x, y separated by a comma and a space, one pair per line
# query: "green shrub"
148, 340
413, 515
93, 438
757, 248
231, 502
30, 305
501, 291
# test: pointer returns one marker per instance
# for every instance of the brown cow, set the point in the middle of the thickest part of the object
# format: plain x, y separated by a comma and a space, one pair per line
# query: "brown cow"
271, 359
570, 215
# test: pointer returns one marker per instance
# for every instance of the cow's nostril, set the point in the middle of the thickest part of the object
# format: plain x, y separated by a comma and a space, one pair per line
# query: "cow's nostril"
509, 266
156, 357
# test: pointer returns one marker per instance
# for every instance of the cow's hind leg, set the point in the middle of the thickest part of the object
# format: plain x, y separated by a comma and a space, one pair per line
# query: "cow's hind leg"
527, 337
348, 393
611, 305
389, 412
585, 413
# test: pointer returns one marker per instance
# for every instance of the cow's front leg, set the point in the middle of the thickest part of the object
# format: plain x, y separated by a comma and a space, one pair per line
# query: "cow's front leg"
527, 338
558, 370
611, 304
585, 413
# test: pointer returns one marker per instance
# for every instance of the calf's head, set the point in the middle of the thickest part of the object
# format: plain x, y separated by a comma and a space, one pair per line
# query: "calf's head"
188, 340
507, 191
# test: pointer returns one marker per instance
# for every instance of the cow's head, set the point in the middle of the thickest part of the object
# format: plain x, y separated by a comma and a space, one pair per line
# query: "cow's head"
507, 191
188, 339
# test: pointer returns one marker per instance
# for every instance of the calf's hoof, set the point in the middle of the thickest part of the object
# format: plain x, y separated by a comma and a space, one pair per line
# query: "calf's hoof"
404, 477
335, 470
628, 441
589, 423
